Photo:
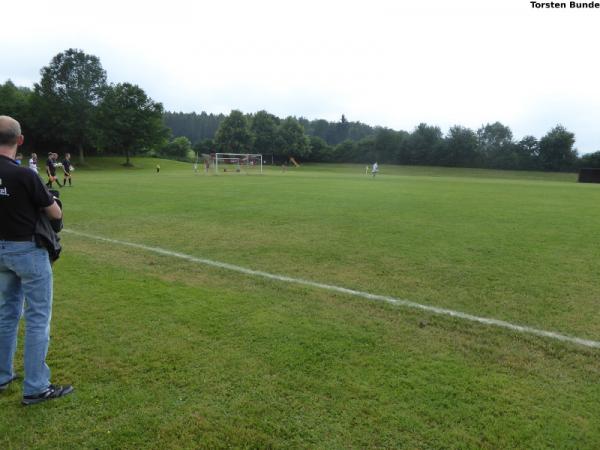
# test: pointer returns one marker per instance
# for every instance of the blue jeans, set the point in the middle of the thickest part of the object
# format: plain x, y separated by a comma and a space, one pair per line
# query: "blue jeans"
25, 274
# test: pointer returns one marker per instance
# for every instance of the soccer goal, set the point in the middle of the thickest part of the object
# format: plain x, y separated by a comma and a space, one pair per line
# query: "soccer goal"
237, 163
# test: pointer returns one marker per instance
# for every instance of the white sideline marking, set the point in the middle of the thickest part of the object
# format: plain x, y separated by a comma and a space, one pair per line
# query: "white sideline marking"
330, 287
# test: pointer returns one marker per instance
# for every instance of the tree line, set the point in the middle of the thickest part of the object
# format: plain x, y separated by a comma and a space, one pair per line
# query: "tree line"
491, 146
203, 126
73, 108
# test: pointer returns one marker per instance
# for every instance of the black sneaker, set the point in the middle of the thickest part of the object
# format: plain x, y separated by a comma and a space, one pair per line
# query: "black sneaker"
4, 386
51, 393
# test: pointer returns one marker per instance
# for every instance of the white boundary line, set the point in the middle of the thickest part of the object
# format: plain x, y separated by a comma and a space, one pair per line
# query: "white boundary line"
329, 287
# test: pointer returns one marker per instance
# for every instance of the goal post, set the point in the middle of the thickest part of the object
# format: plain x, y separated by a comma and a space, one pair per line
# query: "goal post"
237, 163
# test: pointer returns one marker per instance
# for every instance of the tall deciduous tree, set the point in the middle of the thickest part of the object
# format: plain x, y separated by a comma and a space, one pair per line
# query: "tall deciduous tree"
71, 87
386, 146
14, 102
264, 128
233, 135
178, 148
319, 150
345, 151
495, 144
130, 121
205, 147
494, 135
528, 149
460, 148
424, 144
556, 149
291, 139
591, 160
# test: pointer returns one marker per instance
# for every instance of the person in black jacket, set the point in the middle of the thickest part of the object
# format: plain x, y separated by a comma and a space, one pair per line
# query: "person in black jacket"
25, 271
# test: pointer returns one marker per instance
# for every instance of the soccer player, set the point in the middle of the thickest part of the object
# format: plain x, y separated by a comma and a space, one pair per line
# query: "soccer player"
67, 169
33, 163
375, 169
51, 170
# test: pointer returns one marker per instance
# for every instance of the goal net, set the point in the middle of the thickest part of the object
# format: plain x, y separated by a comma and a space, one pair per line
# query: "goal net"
237, 163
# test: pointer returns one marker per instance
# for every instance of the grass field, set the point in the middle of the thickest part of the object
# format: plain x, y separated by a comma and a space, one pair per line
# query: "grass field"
168, 353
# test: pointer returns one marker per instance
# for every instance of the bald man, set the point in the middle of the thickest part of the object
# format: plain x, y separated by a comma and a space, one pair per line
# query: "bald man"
25, 271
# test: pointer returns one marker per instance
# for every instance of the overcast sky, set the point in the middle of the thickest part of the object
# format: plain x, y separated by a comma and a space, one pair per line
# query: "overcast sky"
392, 63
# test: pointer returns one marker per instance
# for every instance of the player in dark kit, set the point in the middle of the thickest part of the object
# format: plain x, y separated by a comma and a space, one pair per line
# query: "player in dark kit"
67, 169
51, 170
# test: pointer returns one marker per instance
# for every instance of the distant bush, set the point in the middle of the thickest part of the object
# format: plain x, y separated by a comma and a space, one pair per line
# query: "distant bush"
179, 148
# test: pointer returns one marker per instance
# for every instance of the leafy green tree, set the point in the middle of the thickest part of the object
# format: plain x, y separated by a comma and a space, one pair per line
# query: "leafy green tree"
71, 87
178, 148
320, 151
130, 121
383, 148
334, 133
264, 129
528, 150
495, 144
15, 102
423, 144
345, 151
206, 147
591, 160
556, 150
494, 135
366, 151
291, 139
460, 148
234, 135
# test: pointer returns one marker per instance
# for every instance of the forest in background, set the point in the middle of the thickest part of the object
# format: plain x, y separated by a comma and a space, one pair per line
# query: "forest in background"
491, 146
73, 108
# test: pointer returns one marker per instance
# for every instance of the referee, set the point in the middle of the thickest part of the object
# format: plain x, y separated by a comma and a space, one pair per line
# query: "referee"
25, 271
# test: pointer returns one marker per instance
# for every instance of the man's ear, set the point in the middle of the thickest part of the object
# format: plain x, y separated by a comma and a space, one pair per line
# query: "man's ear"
20, 140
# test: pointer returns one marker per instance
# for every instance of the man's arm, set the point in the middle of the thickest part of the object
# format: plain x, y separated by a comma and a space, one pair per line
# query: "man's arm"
53, 211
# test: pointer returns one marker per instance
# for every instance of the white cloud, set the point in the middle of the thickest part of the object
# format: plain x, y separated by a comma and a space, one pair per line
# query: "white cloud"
392, 63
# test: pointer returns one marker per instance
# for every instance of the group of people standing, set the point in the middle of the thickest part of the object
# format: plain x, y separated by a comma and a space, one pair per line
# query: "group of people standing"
51, 164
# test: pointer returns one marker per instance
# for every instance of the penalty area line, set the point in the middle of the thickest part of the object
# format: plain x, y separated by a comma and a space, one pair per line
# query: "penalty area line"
329, 287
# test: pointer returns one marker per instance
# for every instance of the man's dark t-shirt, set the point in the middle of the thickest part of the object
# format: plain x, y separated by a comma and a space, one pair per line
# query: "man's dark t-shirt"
50, 167
66, 166
22, 194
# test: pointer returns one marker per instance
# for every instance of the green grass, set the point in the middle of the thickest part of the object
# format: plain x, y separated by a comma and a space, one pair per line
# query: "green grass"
165, 353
